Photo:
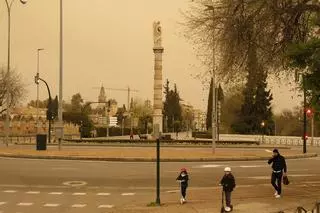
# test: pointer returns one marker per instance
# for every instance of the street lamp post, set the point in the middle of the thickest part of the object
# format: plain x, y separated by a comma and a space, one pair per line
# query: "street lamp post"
9, 6
213, 77
37, 103
59, 128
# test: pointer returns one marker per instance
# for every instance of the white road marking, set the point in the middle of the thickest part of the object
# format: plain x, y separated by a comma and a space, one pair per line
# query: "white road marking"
55, 193
290, 175
312, 182
307, 175
260, 177
33, 192
51, 205
128, 194
210, 166
79, 193
75, 183
103, 194
24, 204
64, 168
9, 191
106, 206
252, 166
2, 203
173, 191
78, 205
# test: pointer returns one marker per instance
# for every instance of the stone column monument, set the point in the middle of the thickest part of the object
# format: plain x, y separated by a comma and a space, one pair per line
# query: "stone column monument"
157, 97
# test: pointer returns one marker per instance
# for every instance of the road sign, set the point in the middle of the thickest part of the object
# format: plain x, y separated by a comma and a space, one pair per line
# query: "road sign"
113, 121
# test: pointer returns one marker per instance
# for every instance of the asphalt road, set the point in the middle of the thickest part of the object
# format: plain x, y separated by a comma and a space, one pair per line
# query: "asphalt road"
42, 185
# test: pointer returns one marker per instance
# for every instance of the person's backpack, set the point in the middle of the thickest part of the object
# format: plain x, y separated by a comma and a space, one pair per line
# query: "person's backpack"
286, 180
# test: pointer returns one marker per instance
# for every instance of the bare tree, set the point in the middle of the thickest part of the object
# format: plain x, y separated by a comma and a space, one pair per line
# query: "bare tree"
12, 89
269, 26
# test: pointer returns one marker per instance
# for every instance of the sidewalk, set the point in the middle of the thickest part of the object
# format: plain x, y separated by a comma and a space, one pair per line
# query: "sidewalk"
146, 153
249, 199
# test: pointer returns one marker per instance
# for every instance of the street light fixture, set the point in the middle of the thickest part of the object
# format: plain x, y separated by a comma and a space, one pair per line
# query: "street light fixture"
9, 6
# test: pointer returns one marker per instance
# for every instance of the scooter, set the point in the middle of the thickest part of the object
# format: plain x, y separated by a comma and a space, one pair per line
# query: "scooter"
223, 210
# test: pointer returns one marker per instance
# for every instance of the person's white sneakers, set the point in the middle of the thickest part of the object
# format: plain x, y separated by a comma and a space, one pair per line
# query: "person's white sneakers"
184, 200
276, 193
278, 196
227, 209
181, 201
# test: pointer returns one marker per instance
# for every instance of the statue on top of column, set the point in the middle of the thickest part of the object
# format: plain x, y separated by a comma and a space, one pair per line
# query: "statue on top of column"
157, 34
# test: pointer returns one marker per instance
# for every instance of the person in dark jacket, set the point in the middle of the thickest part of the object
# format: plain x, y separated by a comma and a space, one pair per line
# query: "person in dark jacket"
279, 168
183, 178
228, 183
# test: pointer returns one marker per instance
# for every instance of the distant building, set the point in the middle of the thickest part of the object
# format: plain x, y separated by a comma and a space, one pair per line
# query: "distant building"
102, 97
23, 121
147, 104
199, 120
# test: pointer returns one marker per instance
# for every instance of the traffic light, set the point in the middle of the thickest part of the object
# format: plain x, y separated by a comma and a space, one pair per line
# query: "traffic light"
36, 78
309, 112
52, 109
49, 109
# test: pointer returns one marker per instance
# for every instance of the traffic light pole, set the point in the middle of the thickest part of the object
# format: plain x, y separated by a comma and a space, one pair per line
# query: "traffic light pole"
49, 104
304, 116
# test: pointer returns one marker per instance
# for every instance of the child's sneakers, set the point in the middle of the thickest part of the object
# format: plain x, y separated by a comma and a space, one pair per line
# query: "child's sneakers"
227, 209
278, 196
276, 193
181, 201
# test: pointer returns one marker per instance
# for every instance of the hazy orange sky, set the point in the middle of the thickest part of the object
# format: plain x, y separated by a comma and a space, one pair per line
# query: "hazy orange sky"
107, 42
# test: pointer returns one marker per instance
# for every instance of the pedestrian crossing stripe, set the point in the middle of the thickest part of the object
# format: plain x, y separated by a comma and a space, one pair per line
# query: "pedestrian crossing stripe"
128, 194
55, 193
106, 206
51, 205
103, 194
33, 192
78, 205
25, 204
79, 193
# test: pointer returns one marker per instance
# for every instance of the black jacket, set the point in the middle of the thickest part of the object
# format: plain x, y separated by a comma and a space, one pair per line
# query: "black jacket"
228, 182
278, 163
184, 179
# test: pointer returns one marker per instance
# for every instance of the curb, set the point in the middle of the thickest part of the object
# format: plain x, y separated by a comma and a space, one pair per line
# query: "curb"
162, 145
300, 156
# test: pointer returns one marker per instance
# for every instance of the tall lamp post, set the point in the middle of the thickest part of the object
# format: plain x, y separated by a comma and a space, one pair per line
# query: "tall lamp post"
213, 77
9, 6
37, 103
59, 127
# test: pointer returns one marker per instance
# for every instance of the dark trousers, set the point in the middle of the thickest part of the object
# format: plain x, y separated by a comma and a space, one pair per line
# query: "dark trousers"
276, 179
228, 198
184, 190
